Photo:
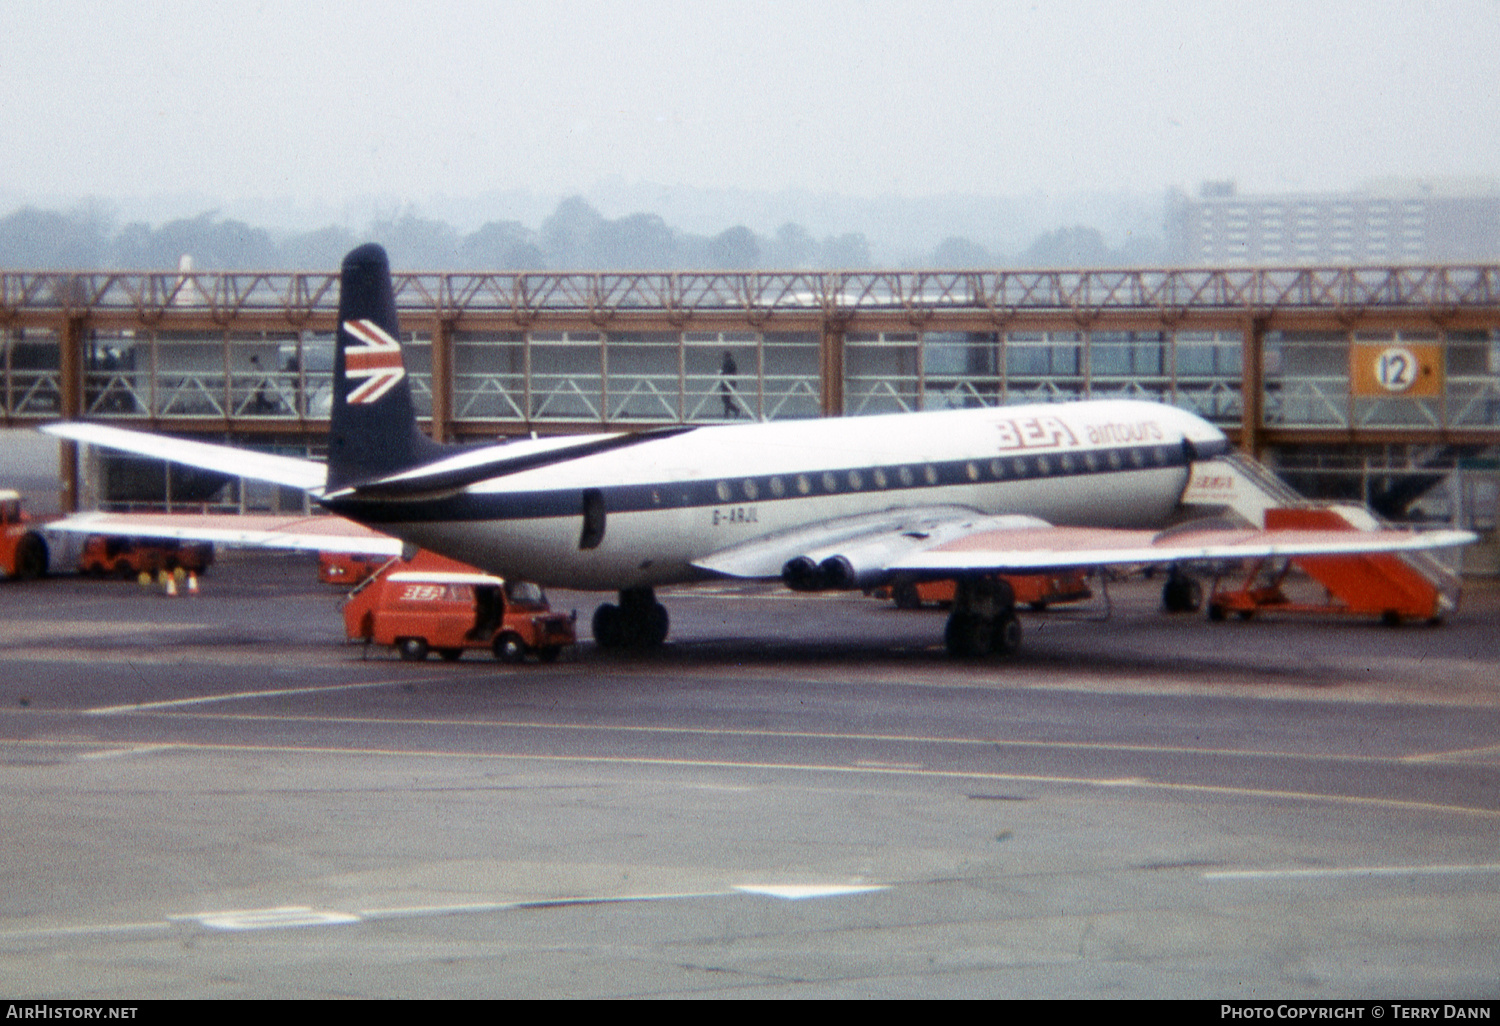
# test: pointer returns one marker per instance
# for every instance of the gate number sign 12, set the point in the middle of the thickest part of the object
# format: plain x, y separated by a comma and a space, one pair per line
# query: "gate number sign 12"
1396, 369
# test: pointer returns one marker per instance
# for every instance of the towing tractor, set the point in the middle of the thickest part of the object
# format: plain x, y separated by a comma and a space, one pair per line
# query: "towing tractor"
436, 605
23, 551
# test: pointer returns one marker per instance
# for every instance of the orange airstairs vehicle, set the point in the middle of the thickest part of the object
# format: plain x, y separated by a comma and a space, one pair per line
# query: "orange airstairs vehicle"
1393, 587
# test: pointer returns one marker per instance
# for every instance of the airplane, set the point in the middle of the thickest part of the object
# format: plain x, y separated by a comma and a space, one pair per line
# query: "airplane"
836, 504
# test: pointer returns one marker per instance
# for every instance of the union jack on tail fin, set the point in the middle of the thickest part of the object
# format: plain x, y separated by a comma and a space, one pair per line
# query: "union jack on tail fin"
373, 432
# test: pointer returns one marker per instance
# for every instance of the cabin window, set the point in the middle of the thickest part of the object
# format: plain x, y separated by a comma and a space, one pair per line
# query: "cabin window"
804, 484
830, 482
777, 488
722, 491
593, 519
907, 477
751, 490
879, 477
1043, 466
855, 481
930, 473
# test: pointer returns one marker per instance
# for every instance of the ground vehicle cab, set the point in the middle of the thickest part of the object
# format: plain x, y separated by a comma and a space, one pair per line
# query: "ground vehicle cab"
23, 552
434, 604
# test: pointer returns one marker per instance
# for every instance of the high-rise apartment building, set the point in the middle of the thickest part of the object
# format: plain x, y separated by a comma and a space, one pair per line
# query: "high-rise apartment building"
1400, 222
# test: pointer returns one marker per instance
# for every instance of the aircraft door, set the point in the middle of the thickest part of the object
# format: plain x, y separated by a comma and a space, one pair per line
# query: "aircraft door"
593, 519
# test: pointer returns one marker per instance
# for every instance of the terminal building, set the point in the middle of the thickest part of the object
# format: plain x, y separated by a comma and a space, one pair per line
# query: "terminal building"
1377, 382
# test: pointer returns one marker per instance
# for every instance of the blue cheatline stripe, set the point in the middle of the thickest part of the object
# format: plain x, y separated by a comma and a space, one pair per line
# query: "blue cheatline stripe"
904, 478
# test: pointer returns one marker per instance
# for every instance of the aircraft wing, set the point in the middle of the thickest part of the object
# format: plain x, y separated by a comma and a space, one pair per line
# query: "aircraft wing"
884, 536
1032, 549
317, 534
950, 542
283, 470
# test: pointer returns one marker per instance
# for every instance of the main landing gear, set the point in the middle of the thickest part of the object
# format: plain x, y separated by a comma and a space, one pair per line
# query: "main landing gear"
639, 621
1181, 594
983, 621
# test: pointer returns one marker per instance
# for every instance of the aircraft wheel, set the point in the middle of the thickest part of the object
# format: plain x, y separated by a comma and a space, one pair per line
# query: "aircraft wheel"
1181, 595
656, 626
1007, 634
968, 636
608, 626
906, 596
413, 650
509, 648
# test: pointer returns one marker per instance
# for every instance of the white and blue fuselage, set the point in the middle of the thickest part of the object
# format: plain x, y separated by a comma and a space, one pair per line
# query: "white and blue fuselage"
647, 514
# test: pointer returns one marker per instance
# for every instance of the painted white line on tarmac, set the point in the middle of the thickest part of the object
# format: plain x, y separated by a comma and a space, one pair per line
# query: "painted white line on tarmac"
1234, 875
289, 917
282, 918
1459, 755
120, 753
799, 892
240, 696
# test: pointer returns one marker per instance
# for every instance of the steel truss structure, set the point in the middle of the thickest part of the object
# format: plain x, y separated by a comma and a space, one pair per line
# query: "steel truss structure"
1264, 352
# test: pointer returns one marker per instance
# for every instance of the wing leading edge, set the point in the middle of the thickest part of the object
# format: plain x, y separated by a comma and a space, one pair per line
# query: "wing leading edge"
1035, 549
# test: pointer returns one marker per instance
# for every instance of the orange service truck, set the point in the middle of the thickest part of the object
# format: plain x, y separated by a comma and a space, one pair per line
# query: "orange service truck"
1035, 590
109, 555
23, 551
435, 604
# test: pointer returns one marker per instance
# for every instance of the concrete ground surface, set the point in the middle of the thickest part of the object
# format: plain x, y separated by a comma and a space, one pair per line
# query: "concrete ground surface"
799, 796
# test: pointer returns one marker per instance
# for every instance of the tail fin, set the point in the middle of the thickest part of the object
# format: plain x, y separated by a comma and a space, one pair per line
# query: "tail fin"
374, 430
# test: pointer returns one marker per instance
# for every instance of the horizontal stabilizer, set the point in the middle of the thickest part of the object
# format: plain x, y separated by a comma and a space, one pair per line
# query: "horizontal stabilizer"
314, 534
290, 471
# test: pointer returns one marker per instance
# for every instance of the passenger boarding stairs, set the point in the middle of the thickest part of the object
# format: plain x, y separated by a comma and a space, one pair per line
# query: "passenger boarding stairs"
1414, 585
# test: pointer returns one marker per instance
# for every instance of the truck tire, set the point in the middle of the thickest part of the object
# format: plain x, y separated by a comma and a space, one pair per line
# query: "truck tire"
413, 650
509, 648
31, 558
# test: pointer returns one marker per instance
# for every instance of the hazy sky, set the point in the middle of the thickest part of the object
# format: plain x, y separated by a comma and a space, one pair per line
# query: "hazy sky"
322, 101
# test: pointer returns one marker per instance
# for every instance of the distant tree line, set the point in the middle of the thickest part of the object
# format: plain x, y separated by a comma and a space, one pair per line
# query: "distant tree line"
574, 237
